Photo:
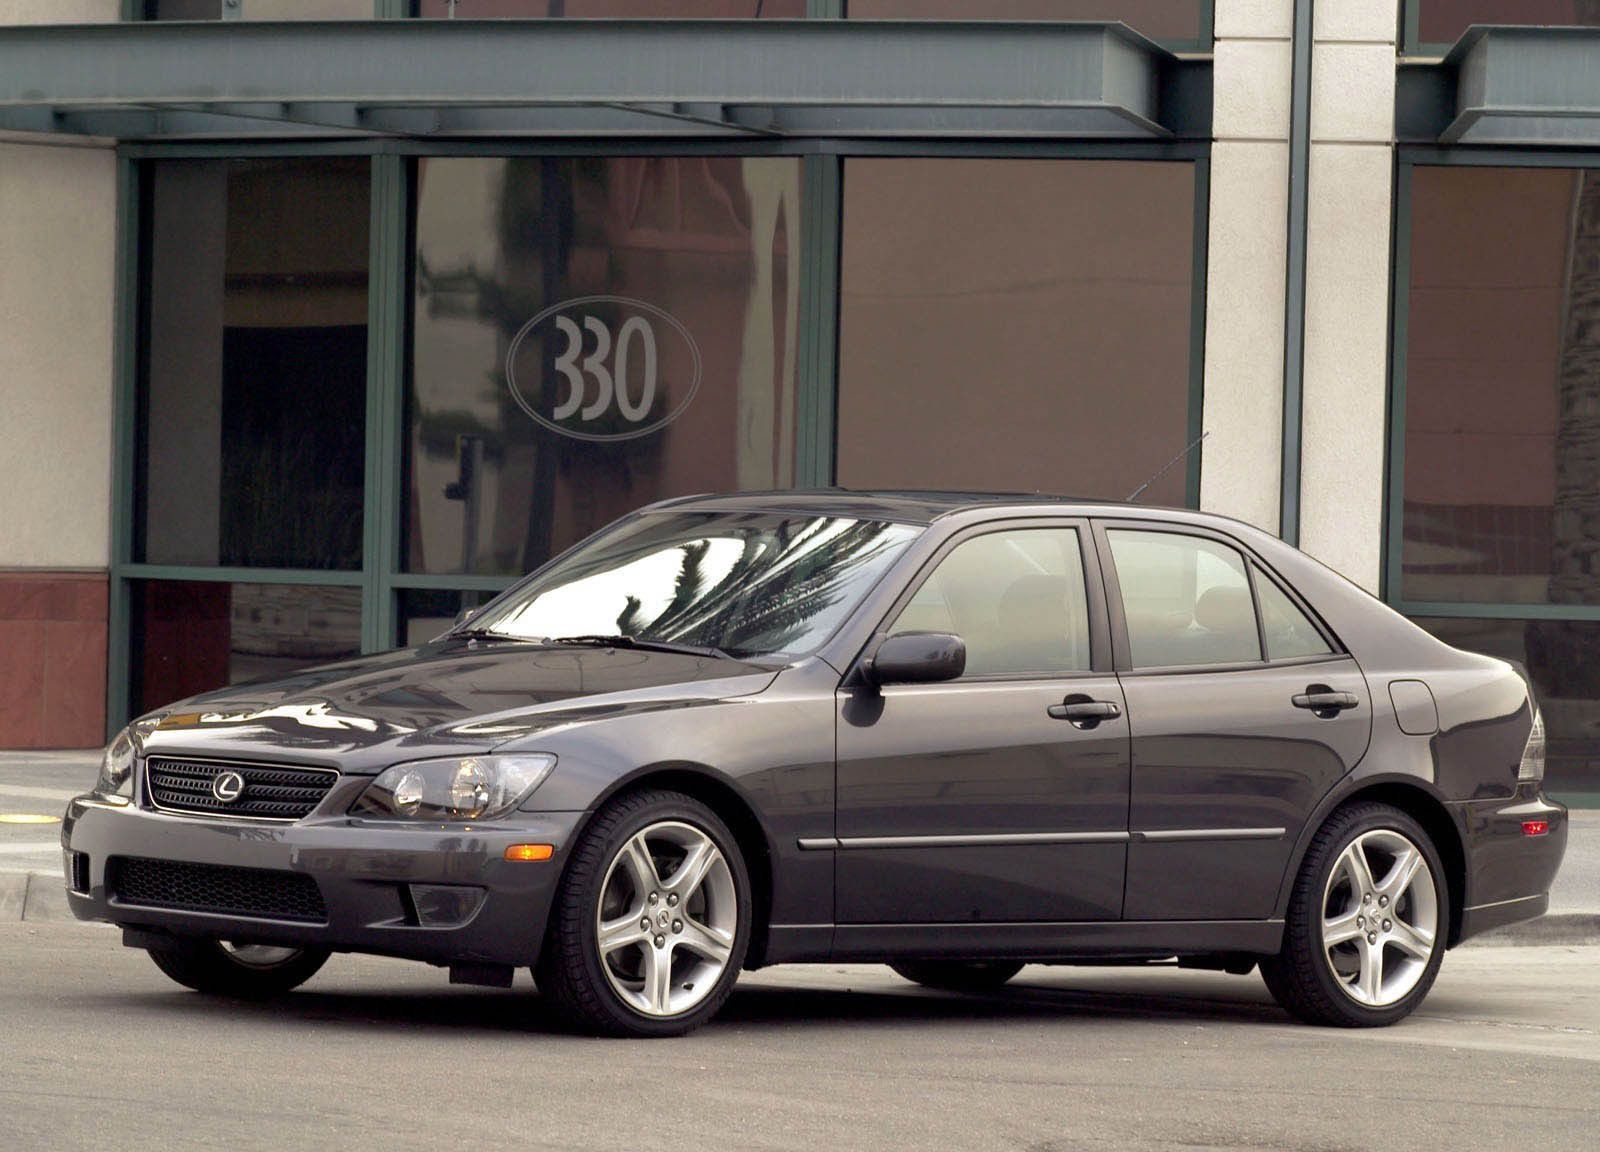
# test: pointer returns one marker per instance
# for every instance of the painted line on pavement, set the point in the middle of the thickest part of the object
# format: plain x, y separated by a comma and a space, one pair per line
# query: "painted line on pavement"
27, 792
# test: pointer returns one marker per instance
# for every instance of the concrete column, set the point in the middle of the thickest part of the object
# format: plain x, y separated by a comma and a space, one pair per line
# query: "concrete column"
58, 210
1347, 285
1246, 250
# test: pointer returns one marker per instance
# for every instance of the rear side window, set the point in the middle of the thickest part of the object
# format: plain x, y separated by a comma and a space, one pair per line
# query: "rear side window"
1016, 599
1289, 632
1186, 599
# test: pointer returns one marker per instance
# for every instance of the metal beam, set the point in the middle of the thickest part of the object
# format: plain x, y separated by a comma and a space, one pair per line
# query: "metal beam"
701, 78
1508, 86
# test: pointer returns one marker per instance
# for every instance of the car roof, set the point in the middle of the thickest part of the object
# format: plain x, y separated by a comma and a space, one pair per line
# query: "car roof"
904, 506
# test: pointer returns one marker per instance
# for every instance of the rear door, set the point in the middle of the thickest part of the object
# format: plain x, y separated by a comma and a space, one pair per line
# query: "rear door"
1243, 712
985, 799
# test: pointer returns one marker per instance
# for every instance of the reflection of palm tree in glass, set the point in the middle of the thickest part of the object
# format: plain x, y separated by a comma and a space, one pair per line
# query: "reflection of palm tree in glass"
1558, 654
777, 587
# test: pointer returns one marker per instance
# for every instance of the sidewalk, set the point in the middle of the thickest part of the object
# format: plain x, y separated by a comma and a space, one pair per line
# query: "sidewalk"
39, 784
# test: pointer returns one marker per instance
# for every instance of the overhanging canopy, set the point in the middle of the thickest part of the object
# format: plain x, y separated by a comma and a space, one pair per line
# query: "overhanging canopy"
650, 78
1506, 86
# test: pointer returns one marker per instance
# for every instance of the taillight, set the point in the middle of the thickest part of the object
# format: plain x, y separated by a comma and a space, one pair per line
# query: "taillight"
1532, 766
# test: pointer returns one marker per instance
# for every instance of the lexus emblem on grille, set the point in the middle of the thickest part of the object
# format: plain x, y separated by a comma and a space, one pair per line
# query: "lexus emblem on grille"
227, 786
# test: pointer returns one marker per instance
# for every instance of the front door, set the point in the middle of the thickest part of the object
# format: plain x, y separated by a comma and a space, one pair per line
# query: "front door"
995, 797
1244, 714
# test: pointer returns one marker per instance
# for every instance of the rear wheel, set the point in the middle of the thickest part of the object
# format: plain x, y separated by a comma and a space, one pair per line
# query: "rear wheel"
958, 975
246, 971
1367, 920
652, 919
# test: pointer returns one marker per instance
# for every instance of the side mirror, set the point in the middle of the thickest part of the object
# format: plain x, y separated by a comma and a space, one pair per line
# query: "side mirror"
917, 658
463, 616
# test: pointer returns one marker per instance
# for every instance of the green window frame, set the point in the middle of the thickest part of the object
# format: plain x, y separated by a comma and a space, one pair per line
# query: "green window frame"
381, 577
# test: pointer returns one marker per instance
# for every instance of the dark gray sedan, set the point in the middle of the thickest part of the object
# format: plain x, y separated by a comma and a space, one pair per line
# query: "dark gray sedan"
952, 733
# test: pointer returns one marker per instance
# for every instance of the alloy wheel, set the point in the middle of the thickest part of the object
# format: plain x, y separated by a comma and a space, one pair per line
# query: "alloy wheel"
667, 919
1380, 918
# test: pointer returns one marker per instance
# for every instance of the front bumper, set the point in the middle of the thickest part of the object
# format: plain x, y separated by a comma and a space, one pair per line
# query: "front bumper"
1508, 872
443, 893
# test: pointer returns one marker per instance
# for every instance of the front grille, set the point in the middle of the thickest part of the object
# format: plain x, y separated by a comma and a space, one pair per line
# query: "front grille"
259, 893
271, 791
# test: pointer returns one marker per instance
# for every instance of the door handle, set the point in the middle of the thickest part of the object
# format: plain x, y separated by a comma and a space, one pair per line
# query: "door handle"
1324, 701
1083, 712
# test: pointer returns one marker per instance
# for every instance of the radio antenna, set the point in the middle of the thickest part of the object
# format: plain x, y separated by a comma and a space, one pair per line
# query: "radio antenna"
1192, 445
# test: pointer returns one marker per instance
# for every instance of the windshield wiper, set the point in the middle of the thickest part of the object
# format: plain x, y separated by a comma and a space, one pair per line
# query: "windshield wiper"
490, 634
625, 641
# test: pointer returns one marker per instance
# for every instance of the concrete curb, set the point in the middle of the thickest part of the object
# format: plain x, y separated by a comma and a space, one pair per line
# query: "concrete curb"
33, 896
1551, 928
41, 896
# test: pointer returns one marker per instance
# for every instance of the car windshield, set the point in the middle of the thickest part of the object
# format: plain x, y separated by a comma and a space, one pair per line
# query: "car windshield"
748, 584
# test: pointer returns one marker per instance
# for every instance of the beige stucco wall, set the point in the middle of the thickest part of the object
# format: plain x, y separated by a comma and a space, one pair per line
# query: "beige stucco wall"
57, 259
1347, 286
58, 11
1246, 246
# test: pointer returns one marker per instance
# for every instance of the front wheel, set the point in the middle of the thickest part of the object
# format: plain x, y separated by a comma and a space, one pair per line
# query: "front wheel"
1367, 922
958, 975
245, 971
651, 921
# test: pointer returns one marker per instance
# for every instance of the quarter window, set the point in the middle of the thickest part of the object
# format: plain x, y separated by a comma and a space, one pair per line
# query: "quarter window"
1289, 633
1016, 599
1186, 599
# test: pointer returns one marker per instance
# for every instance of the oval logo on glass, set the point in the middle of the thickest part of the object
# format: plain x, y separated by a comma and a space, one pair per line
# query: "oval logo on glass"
603, 368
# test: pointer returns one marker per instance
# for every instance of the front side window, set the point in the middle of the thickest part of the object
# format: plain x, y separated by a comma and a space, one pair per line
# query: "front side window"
1187, 600
1016, 599
750, 584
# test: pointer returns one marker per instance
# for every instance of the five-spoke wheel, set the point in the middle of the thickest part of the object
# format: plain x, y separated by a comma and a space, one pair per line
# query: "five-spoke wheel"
652, 919
667, 918
1367, 917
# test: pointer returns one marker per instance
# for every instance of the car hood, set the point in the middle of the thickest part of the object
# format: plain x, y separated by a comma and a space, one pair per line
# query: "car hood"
443, 698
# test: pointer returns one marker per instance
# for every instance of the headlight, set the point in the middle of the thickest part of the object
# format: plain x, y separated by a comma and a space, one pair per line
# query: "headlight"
116, 766
462, 788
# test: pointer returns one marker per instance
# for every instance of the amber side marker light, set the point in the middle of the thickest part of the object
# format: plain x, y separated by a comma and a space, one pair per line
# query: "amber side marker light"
1535, 827
530, 852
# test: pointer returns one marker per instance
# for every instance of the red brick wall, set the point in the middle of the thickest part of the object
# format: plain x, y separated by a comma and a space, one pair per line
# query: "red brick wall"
52, 659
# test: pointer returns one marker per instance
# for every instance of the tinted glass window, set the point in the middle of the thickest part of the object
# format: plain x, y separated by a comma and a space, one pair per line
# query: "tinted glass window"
1502, 402
260, 10
1158, 19
614, 9
1018, 325
1289, 632
750, 584
1443, 21
1016, 599
193, 636
1186, 599
253, 410
591, 335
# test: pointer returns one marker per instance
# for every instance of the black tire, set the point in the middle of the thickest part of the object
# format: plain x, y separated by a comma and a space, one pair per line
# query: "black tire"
959, 975
570, 970
1301, 977
210, 967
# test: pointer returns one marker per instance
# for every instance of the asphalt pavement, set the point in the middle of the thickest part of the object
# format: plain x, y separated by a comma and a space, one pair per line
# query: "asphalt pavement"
98, 1049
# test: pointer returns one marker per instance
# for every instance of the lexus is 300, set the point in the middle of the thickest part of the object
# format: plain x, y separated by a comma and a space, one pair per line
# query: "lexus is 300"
955, 734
